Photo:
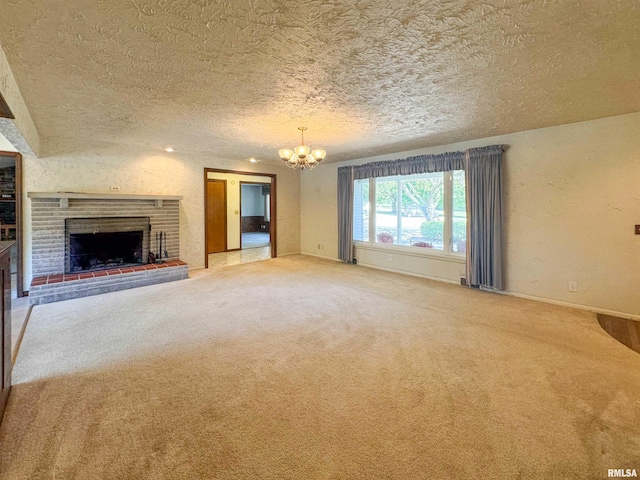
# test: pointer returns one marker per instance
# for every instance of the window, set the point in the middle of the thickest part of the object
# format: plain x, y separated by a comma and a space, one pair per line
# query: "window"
425, 211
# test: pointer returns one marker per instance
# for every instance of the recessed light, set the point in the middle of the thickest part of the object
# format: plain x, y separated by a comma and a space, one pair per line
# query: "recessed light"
253, 160
169, 149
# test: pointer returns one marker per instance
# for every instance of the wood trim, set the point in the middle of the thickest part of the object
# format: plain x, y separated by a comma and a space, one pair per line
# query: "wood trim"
5, 111
206, 219
272, 220
19, 235
273, 226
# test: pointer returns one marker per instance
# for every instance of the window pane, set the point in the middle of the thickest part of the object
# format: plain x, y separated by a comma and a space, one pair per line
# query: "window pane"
386, 211
459, 225
424, 197
361, 210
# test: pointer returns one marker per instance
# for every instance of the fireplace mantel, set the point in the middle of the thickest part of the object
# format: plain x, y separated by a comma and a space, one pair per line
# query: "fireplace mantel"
65, 196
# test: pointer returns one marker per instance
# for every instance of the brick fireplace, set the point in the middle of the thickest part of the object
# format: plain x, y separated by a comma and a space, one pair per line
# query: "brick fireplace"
85, 244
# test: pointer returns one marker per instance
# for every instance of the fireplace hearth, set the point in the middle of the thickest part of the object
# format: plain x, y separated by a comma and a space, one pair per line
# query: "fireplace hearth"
101, 243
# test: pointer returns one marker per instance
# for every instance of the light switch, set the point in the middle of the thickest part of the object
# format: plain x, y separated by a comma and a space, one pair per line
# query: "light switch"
237, 212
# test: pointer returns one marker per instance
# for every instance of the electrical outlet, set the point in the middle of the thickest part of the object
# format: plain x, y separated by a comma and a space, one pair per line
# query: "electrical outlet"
572, 286
115, 189
318, 246
390, 258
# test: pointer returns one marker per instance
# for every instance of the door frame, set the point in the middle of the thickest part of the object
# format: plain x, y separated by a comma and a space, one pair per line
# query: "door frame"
19, 260
273, 203
206, 213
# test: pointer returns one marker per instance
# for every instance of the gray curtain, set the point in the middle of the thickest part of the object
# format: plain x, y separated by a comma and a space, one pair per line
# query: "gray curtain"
411, 166
484, 212
345, 213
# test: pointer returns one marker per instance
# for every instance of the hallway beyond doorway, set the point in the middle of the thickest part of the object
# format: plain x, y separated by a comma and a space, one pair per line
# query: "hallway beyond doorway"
239, 256
255, 239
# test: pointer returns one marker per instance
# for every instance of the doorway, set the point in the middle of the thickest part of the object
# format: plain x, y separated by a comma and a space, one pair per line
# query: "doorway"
231, 230
255, 215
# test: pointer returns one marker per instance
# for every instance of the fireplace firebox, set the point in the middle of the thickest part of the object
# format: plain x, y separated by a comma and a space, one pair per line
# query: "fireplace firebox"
105, 242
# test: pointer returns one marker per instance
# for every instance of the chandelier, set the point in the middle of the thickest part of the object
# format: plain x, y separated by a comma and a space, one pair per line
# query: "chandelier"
302, 156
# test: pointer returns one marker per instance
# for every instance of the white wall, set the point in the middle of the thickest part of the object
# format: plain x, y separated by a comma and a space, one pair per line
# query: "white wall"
5, 145
141, 172
571, 202
233, 203
252, 201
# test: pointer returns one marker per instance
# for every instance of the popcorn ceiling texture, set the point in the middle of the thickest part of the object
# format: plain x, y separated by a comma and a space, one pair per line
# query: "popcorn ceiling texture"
234, 79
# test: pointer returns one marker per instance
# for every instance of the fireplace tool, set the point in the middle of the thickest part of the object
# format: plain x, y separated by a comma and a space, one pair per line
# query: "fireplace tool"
166, 254
161, 247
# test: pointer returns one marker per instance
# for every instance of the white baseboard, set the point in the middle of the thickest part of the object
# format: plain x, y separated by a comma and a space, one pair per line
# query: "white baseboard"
402, 272
577, 306
322, 256
587, 308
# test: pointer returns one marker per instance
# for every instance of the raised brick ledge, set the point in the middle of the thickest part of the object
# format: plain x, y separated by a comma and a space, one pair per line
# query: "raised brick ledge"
70, 277
64, 287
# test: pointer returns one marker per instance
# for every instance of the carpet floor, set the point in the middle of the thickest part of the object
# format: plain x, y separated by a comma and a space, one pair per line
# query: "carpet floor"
302, 368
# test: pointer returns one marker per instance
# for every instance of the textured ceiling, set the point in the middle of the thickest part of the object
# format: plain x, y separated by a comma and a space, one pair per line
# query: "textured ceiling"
234, 79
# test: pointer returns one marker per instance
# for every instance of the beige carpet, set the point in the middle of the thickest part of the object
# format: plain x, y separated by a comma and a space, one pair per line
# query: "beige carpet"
299, 368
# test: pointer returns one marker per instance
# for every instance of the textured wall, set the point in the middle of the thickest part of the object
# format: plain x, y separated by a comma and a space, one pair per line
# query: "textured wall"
143, 172
13, 97
571, 201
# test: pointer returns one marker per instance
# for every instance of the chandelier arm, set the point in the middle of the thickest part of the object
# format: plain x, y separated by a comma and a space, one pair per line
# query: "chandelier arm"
302, 157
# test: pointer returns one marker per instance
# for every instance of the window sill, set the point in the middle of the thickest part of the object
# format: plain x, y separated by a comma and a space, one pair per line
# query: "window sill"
412, 251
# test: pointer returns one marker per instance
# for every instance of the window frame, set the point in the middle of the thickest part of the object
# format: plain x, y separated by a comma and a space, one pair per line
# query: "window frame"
447, 251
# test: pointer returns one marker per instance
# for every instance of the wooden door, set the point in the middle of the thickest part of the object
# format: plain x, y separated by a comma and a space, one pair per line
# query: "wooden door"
216, 216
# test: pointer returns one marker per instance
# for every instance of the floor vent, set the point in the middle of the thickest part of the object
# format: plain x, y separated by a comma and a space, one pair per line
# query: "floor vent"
463, 282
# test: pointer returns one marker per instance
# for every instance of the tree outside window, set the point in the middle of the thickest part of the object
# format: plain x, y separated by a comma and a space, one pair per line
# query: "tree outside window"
424, 211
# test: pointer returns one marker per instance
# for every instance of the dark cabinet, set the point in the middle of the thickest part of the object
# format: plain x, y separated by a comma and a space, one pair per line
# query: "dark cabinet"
5, 285
8, 201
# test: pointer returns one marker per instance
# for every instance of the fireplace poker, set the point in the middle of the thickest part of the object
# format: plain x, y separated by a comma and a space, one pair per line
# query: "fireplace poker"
157, 246
166, 254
